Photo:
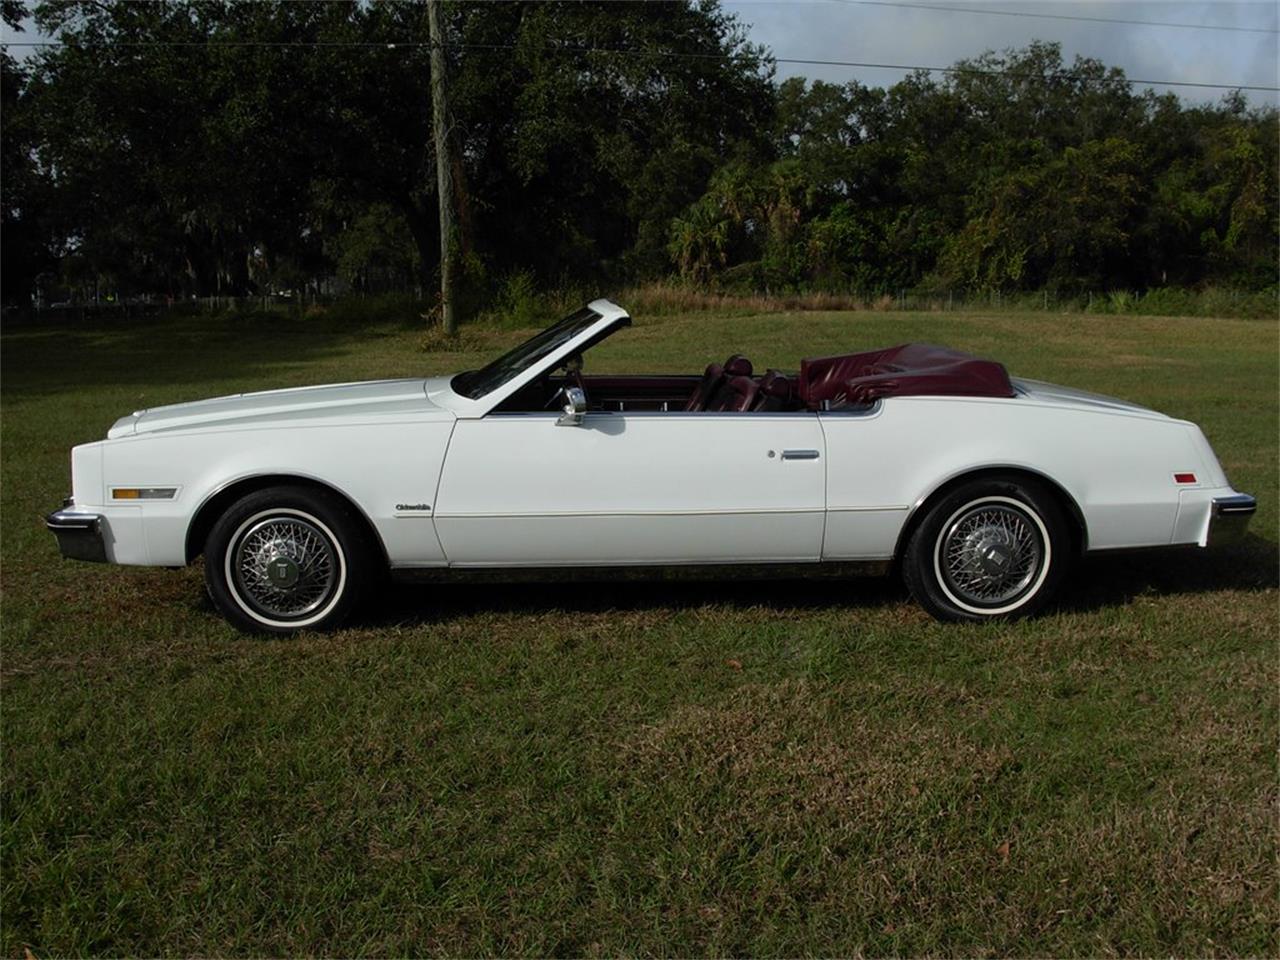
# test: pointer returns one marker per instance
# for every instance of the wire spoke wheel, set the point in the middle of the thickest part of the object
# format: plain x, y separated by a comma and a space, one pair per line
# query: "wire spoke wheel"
993, 547
990, 553
284, 566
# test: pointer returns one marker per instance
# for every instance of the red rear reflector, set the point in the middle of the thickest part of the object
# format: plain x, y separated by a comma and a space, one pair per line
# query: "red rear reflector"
1184, 478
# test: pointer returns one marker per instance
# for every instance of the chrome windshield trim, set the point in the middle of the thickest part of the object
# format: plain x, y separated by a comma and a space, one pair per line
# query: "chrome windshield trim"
612, 319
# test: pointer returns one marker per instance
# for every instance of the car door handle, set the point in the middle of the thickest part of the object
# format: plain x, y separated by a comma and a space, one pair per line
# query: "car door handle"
799, 454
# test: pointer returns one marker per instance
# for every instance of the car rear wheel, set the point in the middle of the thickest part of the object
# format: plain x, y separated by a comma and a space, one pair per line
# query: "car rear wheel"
286, 559
992, 548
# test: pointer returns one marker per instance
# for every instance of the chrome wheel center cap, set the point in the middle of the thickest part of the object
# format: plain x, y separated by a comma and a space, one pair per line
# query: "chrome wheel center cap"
994, 558
282, 572
990, 553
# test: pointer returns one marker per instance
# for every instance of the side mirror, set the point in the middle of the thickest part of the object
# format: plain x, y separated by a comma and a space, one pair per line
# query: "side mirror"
575, 407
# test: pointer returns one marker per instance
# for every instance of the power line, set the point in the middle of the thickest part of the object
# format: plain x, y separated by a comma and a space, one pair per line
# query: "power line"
1027, 76
1013, 74
1057, 16
388, 45
670, 54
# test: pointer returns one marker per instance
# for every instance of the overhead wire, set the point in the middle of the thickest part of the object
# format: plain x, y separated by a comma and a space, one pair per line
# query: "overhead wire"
948, 8
671, 54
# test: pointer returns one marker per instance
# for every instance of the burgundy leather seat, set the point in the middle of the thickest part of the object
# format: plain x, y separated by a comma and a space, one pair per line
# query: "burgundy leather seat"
736, 395
706, 388
727, 396
775, 392
713, 392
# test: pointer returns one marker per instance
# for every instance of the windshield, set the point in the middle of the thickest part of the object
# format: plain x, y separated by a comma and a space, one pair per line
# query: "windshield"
476, 383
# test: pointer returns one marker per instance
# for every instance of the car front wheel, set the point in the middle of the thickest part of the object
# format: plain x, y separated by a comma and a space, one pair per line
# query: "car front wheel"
992, 548
286, 559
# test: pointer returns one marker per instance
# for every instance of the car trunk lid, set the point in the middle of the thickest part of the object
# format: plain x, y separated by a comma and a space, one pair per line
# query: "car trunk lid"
1079, 399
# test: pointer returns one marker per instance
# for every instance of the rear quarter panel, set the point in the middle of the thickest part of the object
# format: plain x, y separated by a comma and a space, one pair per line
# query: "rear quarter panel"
1117, 466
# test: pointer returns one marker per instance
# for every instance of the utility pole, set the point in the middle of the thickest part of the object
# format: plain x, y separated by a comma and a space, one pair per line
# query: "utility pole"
444, 179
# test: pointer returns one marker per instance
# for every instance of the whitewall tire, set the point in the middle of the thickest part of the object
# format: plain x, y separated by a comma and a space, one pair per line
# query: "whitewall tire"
991, 548
286, 559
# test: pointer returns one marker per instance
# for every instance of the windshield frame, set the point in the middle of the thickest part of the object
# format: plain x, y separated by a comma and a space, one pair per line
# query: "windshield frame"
478, 384
441, 391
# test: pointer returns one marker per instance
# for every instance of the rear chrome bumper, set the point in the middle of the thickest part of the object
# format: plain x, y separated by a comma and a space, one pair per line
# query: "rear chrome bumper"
1229, 517
79, 534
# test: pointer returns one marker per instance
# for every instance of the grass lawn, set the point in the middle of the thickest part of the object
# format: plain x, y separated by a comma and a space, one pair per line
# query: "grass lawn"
730, 768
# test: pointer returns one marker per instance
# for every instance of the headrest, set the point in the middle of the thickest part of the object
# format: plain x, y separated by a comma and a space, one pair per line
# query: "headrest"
738, 366
776, 384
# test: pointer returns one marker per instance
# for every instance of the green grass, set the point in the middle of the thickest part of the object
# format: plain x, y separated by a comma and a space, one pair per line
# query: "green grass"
730, 768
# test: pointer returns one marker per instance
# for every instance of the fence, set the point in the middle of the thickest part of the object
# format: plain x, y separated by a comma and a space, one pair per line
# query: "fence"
1160, 301
108, 311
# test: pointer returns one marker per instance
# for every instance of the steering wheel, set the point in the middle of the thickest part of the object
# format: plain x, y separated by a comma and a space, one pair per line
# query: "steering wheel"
572, 368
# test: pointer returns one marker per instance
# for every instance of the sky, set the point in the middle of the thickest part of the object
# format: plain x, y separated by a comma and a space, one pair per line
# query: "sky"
884, 32
893, 33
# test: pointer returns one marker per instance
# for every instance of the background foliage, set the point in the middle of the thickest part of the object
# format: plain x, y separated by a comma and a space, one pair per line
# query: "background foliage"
229, 148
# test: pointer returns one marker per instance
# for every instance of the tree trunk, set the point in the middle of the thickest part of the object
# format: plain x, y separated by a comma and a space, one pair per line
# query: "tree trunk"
426, 238
444, 187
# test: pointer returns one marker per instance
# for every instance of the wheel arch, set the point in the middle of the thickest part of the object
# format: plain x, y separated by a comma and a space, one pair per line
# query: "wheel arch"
217, 502
1071, 509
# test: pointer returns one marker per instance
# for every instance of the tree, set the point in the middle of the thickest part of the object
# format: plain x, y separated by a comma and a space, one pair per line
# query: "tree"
1016, 170
232, 147
24, 253
1066, 223
197, 145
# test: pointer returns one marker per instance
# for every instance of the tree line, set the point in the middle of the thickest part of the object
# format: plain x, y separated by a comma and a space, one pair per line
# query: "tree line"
229, 148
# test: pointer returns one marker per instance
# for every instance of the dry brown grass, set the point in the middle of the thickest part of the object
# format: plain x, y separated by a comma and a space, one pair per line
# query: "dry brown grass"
845, 768
667, 297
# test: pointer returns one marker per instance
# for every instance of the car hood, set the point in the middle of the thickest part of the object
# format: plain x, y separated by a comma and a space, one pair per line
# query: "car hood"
1057, 395
341, 401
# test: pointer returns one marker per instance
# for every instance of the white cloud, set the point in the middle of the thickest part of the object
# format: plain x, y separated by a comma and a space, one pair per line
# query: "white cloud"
834, 30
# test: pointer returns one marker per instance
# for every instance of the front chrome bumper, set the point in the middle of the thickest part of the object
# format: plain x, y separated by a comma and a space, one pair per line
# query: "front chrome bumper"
1229, 517
79, 534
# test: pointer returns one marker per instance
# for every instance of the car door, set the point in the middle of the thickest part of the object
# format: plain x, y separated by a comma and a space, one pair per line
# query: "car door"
633, 488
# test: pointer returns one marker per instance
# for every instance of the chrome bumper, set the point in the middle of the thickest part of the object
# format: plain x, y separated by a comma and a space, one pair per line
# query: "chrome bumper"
1229, 517
79, 534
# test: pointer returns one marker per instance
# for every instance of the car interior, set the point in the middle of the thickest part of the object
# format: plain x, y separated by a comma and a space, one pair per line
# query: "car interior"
730, 387
850, 381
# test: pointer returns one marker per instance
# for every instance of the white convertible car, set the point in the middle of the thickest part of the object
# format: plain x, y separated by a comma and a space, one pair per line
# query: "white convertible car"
978, 487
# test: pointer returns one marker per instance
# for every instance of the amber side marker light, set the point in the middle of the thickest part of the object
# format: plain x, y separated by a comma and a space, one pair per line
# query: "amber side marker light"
1184, 478
143, 493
